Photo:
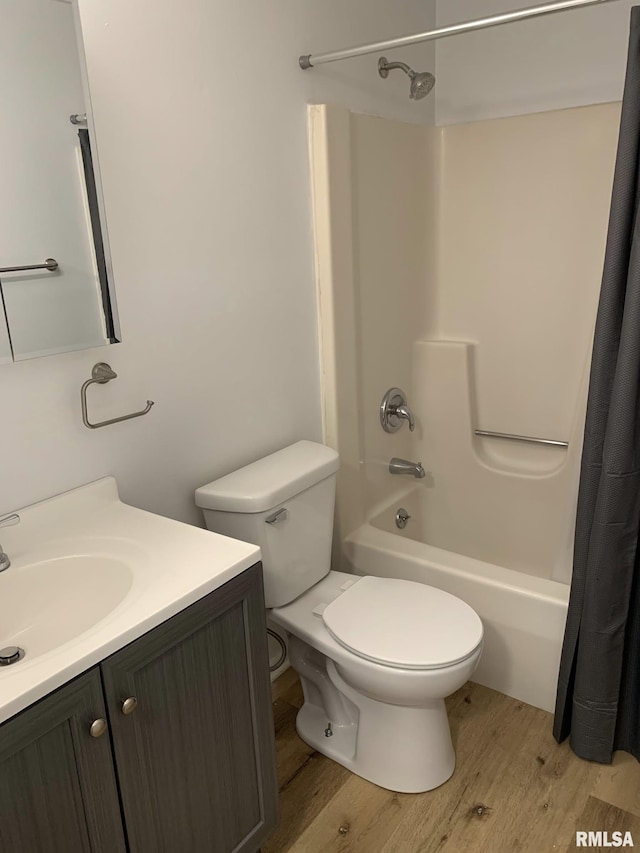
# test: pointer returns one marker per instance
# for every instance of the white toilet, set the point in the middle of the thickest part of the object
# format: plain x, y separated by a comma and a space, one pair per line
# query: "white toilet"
376, 656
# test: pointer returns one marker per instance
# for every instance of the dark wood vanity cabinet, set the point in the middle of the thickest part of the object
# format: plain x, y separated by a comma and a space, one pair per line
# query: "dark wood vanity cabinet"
58, 788
187, 762
195, 759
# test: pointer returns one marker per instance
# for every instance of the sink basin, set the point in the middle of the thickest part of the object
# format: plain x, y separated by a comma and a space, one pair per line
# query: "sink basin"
90, 574
48, 603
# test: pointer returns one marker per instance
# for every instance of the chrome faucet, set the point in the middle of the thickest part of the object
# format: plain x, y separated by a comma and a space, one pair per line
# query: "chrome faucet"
403, 466
394, 410
7, 521
405, 414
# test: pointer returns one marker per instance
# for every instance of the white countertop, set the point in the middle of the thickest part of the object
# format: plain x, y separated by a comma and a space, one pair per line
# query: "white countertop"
172, 565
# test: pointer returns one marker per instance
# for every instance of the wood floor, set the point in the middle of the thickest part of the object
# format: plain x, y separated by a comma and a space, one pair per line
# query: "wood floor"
514, 789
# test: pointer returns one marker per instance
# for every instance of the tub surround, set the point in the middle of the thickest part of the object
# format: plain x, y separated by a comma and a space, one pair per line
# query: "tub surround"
475, 292
493, 238
523, 208
479, 486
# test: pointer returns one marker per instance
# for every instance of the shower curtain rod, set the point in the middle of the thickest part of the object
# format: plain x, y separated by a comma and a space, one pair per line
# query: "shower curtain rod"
310, 60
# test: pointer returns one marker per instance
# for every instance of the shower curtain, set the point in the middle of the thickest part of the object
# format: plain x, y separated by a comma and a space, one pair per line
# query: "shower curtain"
598, 702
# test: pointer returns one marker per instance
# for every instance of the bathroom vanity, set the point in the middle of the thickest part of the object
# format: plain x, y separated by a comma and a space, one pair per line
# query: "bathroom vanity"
163, 744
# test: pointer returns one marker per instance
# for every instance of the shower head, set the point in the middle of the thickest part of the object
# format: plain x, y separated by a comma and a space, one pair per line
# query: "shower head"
421, 82
421, 85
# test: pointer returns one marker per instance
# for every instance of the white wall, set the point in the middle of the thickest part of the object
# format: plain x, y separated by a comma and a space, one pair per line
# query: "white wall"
200, 112
564, 60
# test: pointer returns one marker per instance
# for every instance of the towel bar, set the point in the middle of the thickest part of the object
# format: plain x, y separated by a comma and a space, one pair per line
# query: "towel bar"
50, 264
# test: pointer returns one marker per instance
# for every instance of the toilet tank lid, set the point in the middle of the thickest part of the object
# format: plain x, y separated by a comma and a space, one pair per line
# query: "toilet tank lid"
264, 484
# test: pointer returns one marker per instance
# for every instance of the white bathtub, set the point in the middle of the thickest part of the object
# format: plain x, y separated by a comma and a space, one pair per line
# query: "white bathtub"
523, 615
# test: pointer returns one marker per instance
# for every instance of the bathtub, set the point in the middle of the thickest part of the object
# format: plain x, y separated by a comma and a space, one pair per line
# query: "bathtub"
523, 615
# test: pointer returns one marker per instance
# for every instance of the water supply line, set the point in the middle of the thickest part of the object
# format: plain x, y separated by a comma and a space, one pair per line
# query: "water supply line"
283, 650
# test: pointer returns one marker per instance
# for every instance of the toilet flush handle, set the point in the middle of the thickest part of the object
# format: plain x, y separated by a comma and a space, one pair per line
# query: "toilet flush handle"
277, 517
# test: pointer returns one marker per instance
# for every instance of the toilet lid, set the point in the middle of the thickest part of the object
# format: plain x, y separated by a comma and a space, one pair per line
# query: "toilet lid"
403, 624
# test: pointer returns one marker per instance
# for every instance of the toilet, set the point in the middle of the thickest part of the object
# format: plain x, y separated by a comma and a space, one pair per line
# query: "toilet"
376, 656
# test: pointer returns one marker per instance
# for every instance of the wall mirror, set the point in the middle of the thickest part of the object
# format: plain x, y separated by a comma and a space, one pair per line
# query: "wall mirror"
51, 211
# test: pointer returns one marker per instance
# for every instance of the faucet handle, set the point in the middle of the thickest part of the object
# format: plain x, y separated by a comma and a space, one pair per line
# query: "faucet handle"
405, 413
10, 520
394, 410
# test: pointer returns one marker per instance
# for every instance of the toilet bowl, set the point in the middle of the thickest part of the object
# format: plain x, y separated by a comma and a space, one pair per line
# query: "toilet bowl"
376, 656
383, 719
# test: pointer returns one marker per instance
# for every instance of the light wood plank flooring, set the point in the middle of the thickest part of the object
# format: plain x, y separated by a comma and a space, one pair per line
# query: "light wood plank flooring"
514, 789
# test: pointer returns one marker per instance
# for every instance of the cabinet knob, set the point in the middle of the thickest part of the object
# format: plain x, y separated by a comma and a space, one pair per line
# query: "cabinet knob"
129, 705
98, 727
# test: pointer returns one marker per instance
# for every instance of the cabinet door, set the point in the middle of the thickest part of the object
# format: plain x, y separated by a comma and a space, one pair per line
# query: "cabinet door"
195, 759
57, 784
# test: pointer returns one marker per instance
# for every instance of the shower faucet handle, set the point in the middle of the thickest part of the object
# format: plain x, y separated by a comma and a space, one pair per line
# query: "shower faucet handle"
405, 413
394, 410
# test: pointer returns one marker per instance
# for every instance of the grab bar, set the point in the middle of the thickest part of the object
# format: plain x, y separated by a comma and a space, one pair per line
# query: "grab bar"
526, 438
49, 264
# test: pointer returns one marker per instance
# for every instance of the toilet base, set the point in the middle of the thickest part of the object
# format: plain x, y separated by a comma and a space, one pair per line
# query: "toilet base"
408, 750
311, 725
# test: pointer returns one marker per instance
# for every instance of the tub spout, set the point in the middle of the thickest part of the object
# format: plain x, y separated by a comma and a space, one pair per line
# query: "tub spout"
403, 466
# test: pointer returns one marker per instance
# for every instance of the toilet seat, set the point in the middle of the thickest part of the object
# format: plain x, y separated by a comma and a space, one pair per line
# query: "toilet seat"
403, 624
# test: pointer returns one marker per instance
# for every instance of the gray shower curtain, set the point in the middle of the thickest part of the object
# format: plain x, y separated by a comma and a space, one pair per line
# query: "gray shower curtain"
598, 702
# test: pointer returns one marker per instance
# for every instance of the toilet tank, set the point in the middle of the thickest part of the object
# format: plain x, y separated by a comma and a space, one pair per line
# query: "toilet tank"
284, 504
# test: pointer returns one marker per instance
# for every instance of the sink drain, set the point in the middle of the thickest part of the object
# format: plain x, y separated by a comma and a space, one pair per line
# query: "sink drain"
12, 654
